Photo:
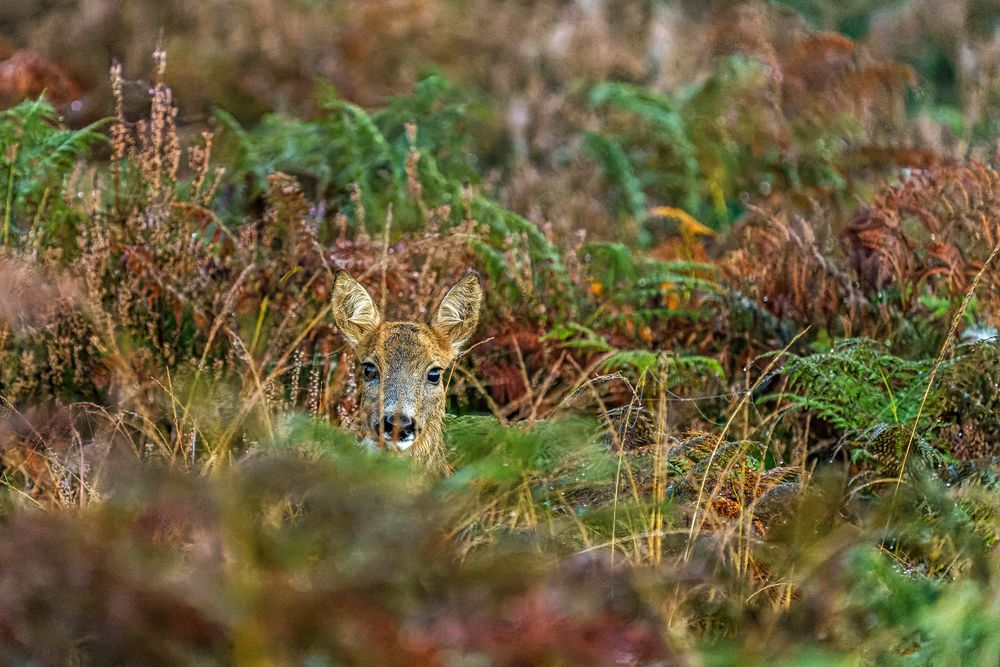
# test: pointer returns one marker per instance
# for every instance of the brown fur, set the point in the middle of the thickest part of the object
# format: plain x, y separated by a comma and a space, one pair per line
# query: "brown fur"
402, 354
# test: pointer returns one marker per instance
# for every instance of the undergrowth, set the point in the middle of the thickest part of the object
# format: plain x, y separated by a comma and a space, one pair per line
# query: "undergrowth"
789, 324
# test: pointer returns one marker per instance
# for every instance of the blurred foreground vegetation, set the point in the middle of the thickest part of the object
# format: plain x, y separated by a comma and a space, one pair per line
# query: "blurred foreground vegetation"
777, 240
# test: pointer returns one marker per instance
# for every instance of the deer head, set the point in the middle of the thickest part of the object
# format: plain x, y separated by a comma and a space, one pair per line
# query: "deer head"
403, 364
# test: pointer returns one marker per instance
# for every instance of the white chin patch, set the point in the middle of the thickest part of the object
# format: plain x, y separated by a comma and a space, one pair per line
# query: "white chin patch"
405, 444
401, 445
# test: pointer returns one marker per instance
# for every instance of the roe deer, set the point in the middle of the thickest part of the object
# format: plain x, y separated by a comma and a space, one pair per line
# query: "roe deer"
403, 363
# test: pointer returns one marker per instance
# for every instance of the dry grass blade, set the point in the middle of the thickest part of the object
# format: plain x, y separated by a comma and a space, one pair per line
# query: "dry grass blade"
700, 502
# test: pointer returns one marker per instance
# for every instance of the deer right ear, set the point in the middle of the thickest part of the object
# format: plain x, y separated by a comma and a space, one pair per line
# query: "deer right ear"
457, 315
354, 311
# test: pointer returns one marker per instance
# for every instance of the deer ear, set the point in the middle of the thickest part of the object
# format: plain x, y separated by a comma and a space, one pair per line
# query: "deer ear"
355, 313
456, 317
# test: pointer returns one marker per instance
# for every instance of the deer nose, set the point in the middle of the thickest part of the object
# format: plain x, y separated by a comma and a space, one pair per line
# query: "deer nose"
399, 427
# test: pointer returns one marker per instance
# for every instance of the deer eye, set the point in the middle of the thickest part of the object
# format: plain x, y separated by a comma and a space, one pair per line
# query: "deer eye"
369, 370
434, 375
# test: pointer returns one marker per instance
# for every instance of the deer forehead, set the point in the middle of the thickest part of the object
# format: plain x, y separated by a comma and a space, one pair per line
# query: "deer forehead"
407, 346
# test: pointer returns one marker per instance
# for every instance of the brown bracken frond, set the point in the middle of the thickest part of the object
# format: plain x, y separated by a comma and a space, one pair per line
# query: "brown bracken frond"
782, 261
932, 231
26, 74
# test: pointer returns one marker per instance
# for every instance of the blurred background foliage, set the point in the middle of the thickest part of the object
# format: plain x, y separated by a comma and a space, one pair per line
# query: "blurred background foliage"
765, 234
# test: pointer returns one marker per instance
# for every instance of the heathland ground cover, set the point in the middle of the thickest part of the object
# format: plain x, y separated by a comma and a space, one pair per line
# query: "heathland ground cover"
776, 243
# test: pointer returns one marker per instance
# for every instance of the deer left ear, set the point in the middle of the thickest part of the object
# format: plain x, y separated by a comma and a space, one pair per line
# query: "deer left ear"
354, 311
457, 315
